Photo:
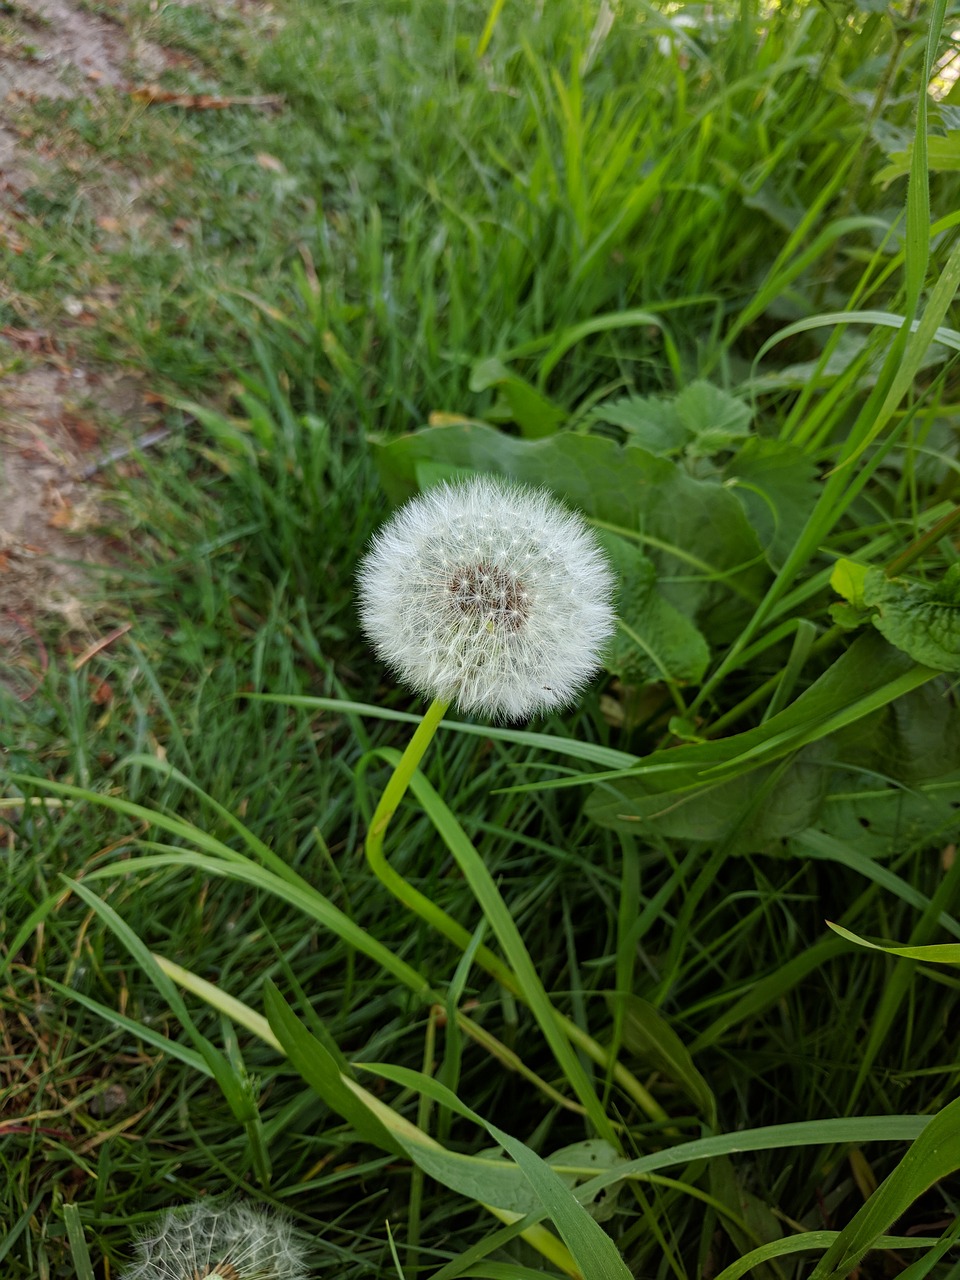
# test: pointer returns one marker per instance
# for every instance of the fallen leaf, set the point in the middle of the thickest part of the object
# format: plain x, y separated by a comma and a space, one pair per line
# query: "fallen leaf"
33, 340
107, 223
101, 692
61, 517
267, 161
83, 430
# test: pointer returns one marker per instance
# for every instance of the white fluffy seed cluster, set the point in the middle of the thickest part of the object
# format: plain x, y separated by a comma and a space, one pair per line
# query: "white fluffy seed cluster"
232, 1241
489, 595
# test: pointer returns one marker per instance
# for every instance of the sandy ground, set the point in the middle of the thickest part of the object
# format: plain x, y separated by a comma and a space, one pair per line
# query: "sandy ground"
55, 414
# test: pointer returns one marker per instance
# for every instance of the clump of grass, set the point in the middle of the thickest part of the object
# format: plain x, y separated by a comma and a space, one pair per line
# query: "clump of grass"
525, 236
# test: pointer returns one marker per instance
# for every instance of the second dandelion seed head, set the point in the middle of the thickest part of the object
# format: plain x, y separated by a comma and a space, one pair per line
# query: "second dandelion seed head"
219, 1241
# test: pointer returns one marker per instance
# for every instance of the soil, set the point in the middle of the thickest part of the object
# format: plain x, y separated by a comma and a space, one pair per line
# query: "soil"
58, 418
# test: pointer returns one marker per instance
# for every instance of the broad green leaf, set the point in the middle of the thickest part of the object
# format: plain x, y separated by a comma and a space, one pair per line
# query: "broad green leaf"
935, 953
867, 676
914, 740
605, 480
652, 423
649, 1037
923, 620
776, 484
654, 641
848, 579
880, 821
714, 419
709, 559
751, 813
702, 420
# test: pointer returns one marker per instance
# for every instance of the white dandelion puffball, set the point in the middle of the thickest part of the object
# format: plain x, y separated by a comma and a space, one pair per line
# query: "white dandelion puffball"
489, 595
232, 1241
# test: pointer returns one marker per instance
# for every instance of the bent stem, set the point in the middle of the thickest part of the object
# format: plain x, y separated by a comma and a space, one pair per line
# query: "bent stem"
438, 919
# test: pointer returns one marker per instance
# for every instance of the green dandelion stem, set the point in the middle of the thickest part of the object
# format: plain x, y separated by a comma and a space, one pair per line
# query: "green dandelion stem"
438, 919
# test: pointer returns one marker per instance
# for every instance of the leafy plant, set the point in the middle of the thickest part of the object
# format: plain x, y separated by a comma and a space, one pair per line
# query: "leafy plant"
648, 261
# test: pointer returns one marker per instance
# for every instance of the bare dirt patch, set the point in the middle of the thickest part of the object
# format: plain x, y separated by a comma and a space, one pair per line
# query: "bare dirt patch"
55, 424
55, 414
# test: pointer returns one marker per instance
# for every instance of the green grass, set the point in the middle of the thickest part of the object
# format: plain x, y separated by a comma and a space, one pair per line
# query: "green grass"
555, 239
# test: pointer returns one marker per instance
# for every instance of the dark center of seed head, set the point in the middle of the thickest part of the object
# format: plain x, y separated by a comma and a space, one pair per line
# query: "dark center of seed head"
222, 1270
489, 593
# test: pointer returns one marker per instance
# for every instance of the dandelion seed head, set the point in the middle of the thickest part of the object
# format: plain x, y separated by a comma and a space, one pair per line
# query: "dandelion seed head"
219, 1241
490, 595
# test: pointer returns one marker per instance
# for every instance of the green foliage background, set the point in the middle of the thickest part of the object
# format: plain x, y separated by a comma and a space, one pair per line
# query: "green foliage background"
694, 269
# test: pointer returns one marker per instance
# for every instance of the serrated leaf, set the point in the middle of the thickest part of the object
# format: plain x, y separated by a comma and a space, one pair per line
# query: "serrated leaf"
652, 423
715, 419
654, 641
921, 619
710, 561
847, 616
702, 419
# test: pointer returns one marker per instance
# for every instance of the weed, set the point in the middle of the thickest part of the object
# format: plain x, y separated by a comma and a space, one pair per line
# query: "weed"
657, 266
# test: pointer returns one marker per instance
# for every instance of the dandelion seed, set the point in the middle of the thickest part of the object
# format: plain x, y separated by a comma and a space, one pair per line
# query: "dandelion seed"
231, 1241
490, 595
